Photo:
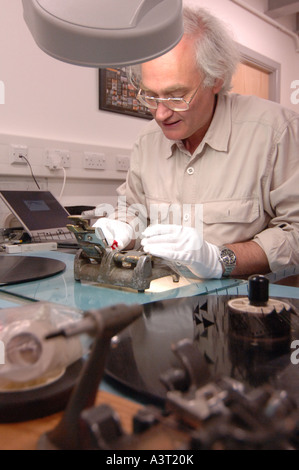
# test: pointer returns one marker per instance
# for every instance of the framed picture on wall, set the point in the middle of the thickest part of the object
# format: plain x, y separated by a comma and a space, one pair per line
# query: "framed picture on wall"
116, 94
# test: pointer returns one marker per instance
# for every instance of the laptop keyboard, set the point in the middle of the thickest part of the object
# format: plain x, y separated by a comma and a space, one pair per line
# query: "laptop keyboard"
60, 237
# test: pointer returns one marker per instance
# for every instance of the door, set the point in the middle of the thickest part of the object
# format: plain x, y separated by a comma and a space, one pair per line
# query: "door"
251, 80
257, 75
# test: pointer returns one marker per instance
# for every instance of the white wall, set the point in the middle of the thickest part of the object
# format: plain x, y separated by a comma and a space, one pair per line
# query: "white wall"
48, 98
50, 104
254, 33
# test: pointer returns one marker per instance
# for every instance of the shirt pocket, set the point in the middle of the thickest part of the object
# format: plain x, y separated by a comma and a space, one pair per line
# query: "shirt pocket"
163, 211
243, 211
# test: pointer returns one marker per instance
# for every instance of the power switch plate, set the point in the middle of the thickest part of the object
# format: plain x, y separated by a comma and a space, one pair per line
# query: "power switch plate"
17, 152
122, 163
94, 161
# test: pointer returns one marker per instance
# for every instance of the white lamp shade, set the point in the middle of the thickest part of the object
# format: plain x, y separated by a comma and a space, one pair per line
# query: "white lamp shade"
101, 33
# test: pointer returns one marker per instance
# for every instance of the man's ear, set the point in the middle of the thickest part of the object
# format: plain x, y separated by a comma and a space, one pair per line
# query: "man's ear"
217, 86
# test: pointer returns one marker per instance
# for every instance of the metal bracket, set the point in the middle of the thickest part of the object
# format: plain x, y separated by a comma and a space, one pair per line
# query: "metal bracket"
96, 263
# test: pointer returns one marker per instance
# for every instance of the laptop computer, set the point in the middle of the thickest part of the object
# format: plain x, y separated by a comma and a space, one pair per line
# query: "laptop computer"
41, 216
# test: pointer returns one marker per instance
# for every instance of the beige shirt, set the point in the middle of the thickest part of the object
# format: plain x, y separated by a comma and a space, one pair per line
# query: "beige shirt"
244, 175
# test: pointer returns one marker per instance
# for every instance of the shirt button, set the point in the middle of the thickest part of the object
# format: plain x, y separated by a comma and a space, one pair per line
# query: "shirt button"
190, 171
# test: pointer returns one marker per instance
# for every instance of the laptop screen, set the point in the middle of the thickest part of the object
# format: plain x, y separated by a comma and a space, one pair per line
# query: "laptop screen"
38, 211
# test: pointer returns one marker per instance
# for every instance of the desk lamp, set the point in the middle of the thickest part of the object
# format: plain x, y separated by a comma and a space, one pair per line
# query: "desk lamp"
103, 33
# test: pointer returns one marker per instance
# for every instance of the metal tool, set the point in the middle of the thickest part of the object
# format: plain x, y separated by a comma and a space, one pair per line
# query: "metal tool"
101, 324
219, 414
96, 262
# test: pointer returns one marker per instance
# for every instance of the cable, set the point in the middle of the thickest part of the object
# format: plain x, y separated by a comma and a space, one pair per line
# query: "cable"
55, 164
27, 161
58, 168
64, 181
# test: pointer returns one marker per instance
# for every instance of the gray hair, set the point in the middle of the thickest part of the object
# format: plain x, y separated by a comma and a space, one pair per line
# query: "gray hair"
217, 54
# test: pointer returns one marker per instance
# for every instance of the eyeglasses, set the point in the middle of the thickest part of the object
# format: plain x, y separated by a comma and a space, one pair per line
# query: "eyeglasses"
175, 104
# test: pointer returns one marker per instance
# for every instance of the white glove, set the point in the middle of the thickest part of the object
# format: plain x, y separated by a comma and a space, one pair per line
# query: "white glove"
183, 245
118, 234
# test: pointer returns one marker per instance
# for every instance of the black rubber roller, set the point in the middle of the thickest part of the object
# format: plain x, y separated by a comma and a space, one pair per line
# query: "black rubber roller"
258, 290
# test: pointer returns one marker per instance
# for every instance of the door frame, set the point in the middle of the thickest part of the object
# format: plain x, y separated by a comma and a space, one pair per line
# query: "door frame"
273, 68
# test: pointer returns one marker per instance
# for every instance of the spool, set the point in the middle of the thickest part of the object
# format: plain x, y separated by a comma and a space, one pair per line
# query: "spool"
257, 316
32, 362
37, 376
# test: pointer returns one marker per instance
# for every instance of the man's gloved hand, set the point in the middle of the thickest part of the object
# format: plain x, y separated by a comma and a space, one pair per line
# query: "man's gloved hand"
118, 234
183, 245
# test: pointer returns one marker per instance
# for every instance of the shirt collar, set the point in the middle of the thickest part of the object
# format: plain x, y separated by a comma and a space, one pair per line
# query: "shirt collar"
218, 134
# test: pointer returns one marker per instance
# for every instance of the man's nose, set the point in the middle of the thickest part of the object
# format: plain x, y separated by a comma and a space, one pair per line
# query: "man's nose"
162, 112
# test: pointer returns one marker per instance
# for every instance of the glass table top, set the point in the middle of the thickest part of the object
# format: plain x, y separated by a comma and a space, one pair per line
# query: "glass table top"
63, 289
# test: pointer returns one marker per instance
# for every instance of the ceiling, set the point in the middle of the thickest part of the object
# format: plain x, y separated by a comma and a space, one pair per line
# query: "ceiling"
282, 10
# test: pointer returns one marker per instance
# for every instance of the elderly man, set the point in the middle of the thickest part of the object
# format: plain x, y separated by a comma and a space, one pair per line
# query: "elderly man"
223, 169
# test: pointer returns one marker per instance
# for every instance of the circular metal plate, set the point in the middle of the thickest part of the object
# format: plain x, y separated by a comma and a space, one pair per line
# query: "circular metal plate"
16, 269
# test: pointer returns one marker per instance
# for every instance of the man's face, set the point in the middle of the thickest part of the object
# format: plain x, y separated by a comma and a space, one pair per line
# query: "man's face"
175, 75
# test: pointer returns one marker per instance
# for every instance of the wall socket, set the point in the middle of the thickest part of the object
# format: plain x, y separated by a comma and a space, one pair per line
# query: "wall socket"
56, 159
16, 154
122, 163
94, 161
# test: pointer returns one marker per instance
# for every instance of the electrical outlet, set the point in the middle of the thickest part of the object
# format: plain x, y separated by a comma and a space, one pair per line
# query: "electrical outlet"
17, 152
94, 161
65, 159
56, 159
122, 163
